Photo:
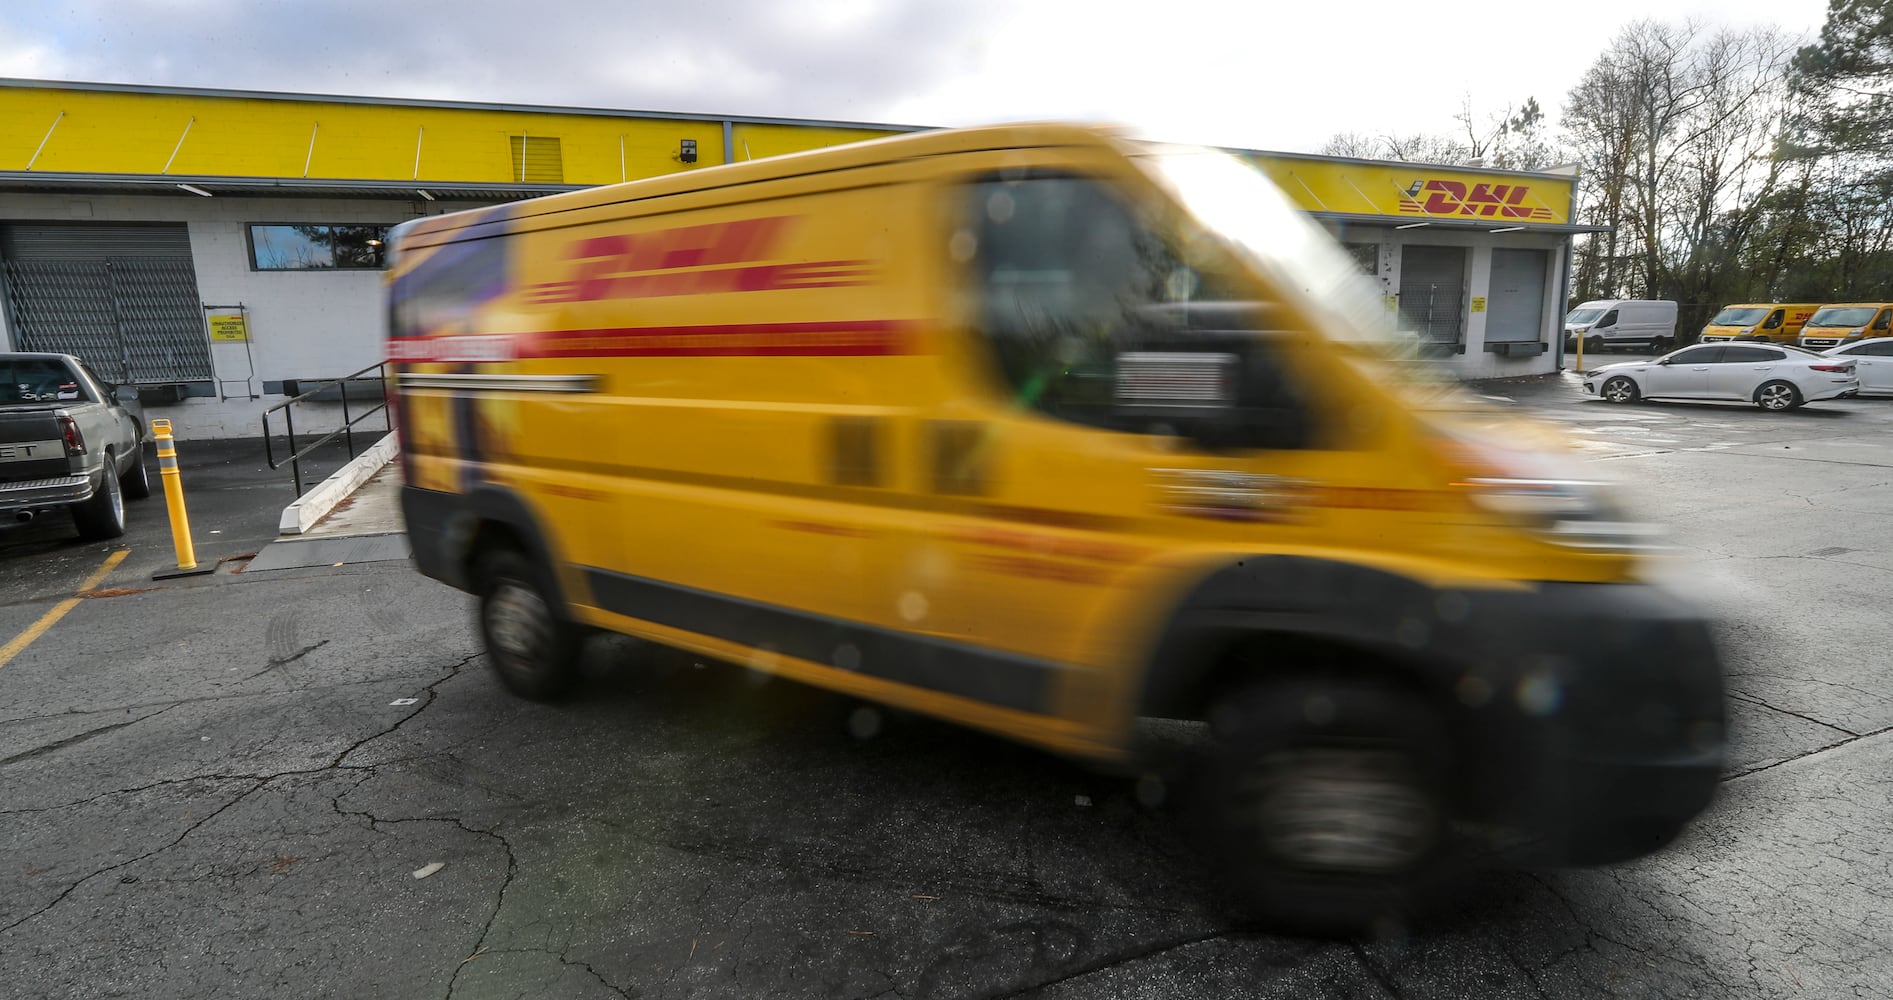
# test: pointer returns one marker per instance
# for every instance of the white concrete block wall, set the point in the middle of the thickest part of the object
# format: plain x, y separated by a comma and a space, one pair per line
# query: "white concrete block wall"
303, 324
316, 324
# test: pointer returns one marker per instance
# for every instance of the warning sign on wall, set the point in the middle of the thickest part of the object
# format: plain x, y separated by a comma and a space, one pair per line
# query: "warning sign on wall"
1478, 303
229, 329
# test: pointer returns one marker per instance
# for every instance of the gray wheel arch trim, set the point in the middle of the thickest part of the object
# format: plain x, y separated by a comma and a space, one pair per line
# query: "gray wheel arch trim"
494, 504
1369, 609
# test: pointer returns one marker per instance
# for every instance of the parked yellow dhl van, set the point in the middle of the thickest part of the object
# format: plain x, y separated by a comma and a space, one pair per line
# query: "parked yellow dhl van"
1846, 322
1047, 432
1772, 322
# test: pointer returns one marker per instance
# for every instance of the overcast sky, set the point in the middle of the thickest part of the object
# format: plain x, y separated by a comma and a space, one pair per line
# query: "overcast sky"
1255, 73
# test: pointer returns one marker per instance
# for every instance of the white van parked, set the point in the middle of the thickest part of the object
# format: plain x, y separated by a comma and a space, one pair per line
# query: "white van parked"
1615, 323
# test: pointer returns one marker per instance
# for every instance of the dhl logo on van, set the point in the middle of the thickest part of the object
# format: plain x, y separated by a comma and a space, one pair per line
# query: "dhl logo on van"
708, 259
1485, 201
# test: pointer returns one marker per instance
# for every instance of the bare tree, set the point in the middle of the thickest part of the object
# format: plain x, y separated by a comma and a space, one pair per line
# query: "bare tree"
1419, 147
1353, 145
1422, 147
1674, 126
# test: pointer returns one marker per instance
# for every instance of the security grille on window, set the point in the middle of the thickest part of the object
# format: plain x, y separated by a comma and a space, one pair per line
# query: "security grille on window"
1433, 293
537, 159
121, 296
310, 247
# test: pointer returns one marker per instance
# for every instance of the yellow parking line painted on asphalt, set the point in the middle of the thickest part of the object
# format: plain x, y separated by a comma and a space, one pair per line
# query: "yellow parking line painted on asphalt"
58, 611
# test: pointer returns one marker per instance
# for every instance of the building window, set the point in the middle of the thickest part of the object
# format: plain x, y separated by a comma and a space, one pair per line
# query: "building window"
298, 247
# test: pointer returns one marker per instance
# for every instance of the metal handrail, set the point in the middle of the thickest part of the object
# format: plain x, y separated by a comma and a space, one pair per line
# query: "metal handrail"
346, 431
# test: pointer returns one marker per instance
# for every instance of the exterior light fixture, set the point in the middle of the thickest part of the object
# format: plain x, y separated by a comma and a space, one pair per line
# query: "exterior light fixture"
424, 194
1413, 225
1508, 229
195, 190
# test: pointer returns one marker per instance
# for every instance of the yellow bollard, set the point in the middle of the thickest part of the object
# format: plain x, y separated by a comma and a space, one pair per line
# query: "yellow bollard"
174, 497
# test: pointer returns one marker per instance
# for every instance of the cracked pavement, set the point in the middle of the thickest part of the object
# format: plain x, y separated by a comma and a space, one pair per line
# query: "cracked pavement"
224, 788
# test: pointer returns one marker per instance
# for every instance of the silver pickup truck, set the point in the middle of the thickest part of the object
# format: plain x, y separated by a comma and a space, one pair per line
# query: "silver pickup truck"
69, 439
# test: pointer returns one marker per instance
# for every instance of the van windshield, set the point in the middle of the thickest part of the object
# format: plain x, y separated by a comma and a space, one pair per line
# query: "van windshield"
1738, 316
1842, 316
1579, 317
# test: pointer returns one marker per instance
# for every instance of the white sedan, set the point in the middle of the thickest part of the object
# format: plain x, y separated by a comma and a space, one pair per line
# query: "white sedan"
1772, 377
1873, 359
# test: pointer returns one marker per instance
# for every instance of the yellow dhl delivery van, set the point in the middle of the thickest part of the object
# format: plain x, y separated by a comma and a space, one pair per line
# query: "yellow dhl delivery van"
1046, 432
1845, 322
1772, 322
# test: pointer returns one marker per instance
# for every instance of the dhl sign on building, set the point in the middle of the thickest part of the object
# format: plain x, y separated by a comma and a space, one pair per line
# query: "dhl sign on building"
134, 221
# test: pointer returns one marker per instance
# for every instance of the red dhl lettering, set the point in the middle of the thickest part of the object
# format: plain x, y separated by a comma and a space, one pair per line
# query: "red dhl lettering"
711, 259
1457, 199
709, 245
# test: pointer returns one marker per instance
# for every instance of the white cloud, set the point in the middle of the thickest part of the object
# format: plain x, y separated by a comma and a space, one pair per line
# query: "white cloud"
1219, 71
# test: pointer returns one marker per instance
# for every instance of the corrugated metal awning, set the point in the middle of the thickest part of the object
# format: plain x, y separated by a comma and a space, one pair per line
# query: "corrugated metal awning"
44, 182
1496, 226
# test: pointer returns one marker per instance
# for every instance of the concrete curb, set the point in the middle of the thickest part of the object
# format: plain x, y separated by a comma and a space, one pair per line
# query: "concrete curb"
316, 504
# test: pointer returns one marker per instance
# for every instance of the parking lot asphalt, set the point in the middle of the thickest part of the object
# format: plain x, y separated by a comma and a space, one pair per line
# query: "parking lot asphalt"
233, 786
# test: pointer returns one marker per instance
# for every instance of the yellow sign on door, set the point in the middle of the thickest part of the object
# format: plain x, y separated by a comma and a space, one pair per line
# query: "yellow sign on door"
229, 329
1478, 303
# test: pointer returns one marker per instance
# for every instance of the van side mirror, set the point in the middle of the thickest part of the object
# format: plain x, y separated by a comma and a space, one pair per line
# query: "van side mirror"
125, 393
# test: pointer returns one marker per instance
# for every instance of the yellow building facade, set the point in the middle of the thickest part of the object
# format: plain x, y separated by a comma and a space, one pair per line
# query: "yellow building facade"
220, 248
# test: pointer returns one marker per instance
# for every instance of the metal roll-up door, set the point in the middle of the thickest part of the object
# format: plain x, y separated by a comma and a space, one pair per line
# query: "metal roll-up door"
123, 297
1432, 292
1515, 303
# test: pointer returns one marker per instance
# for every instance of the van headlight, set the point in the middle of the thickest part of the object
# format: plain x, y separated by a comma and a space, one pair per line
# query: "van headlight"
1578, 513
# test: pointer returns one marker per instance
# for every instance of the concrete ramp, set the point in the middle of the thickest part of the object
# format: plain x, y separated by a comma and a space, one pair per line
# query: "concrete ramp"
352, 517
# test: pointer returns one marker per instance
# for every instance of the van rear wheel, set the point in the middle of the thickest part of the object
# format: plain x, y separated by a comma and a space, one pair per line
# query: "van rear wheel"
1324, 802
532, 648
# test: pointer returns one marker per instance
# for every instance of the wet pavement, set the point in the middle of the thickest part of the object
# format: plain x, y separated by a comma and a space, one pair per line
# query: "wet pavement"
227, 787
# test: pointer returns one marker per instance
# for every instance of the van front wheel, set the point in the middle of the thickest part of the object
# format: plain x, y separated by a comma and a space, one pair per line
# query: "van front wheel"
1595, 345
533, 650
1325, 805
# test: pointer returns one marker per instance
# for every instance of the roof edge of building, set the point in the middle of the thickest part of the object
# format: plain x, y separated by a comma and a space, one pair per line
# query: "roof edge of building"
24, 83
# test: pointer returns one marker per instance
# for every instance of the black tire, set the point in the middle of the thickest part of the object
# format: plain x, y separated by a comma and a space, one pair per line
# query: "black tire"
103, 516
530, 644
1777, 396
137, 480
1595, 345
1619, 389
1325, 803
